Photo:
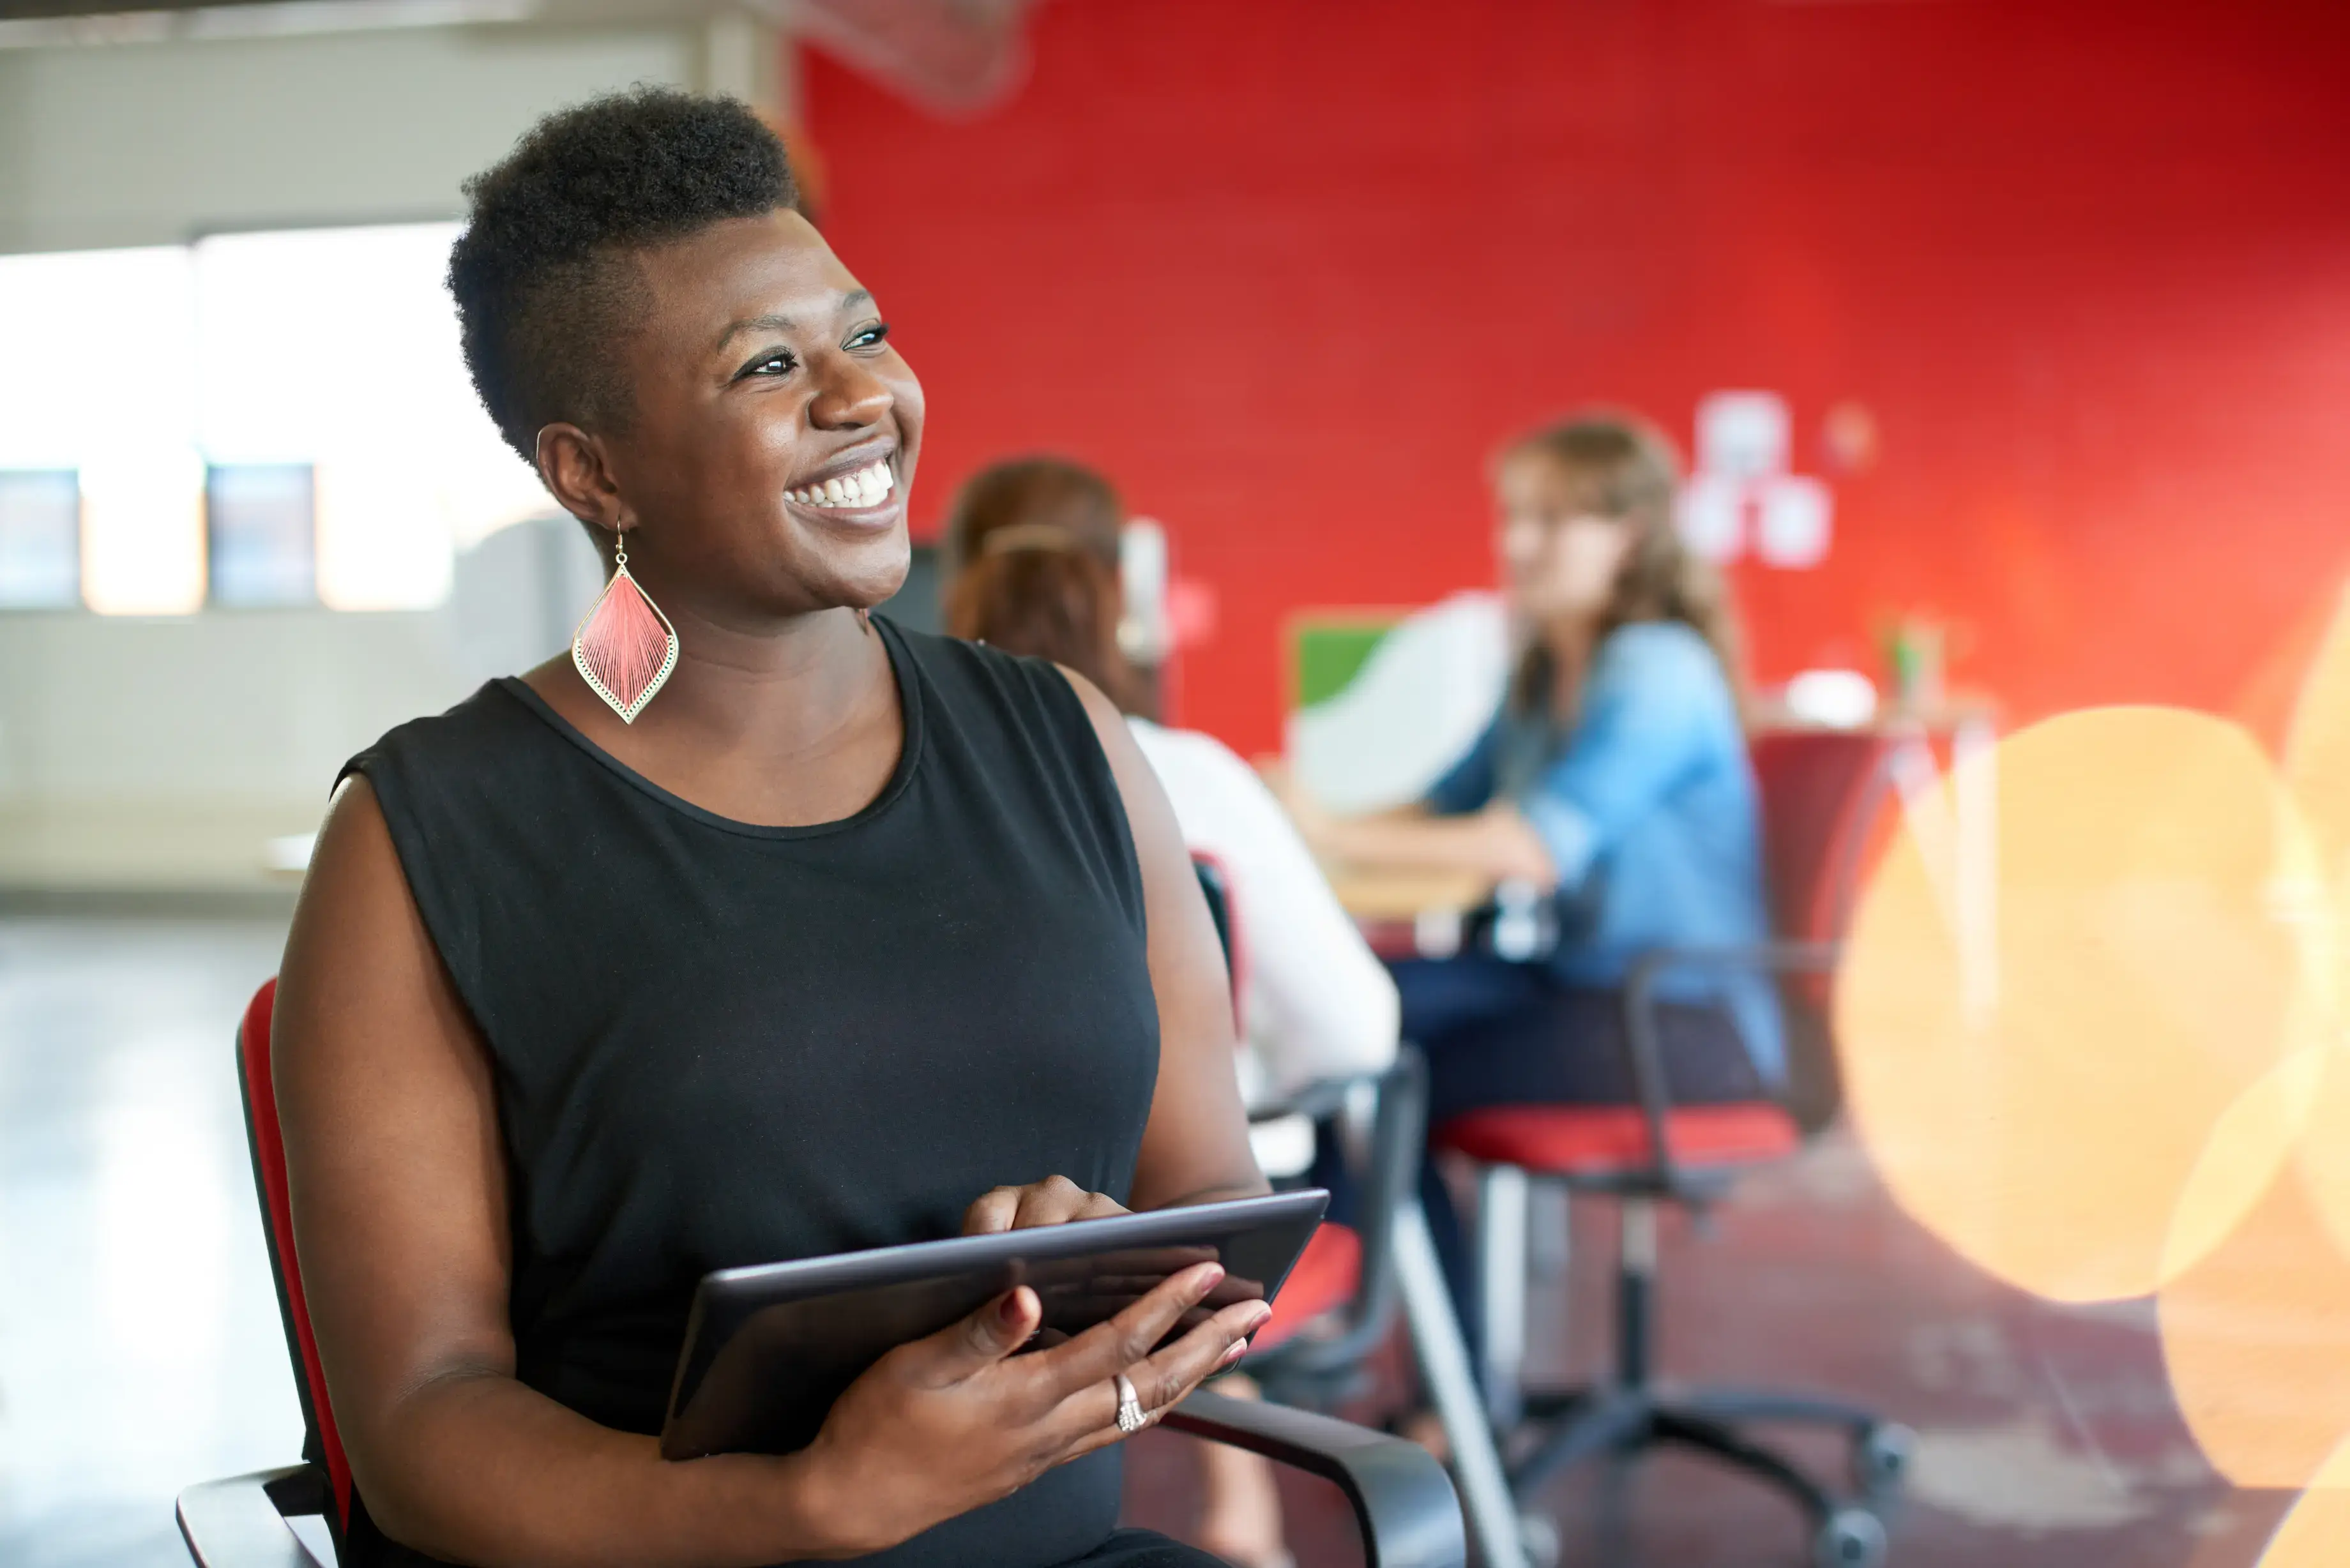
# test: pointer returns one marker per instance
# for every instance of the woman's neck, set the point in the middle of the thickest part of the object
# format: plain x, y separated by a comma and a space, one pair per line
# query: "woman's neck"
777, 690
794, 722
1568, 641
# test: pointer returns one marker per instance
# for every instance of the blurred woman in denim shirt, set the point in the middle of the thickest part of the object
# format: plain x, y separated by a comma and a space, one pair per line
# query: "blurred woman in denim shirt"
1615, 780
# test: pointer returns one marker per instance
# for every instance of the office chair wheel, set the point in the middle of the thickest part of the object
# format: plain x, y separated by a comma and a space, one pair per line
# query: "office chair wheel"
1851, 1537
1882, 1457
1538, 1535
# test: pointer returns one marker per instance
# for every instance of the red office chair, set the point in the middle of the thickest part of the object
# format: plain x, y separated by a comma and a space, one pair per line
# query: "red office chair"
1820, 793
1403, 1502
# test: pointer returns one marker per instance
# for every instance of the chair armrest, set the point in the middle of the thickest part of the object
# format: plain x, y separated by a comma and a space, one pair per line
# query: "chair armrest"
1768, 958
1390, 1173
1647, 1053
1402, 1498
240, 1522
1316, 1101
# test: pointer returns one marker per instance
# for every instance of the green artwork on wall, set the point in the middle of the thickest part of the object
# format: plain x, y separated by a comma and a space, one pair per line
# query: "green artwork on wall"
1326, 654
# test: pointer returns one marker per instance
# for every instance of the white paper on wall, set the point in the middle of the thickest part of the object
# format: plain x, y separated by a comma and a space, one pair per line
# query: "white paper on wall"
1741, 487
1741, 435
1792, 522
1712, 521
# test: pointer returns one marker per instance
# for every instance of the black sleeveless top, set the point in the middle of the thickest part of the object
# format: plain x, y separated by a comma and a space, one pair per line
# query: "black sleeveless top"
717, 1044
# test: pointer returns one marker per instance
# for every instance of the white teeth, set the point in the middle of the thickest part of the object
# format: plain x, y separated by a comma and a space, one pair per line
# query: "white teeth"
865, 487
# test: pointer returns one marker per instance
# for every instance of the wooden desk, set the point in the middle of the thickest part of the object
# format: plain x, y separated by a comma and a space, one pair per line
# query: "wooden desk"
1408, 914
1391, 895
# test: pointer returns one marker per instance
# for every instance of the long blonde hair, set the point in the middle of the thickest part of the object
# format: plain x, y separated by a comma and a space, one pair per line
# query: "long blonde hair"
1620, 467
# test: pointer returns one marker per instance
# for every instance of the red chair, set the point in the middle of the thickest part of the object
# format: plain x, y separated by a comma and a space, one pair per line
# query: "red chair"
1820, 795
1403, 1502
241, 1522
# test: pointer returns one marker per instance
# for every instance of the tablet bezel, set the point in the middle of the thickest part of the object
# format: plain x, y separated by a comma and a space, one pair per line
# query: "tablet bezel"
728, 1300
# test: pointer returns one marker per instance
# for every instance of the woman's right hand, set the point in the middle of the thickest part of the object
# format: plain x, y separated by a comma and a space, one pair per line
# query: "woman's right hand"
949, 1423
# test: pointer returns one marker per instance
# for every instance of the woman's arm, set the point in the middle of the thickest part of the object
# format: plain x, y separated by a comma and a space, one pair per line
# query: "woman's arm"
1195, 1148
1459, 827
399, 1192
1497, 843
400, 1215
1655, 700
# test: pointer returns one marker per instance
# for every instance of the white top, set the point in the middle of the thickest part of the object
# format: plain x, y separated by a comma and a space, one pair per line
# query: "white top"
1314, 1002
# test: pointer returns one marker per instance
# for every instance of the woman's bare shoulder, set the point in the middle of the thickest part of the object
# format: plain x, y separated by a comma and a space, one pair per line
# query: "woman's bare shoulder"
359, 966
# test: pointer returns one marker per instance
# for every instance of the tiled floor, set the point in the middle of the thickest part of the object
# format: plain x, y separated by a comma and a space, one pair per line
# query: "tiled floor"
2047, 1435
139, 1346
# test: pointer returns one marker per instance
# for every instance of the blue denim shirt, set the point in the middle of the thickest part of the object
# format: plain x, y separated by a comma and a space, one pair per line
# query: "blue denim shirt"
1649, 807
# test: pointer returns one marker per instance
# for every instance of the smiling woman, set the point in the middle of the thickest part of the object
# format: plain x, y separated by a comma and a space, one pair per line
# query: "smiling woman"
852, 936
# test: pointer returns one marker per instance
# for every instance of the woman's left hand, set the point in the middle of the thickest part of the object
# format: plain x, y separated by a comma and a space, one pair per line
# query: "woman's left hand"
1055, 1200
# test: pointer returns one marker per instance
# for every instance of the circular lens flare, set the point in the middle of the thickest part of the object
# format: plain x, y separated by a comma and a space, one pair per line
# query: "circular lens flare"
2255, 1322
2047, 1125
2316, 1533
2316, 767
2316, 762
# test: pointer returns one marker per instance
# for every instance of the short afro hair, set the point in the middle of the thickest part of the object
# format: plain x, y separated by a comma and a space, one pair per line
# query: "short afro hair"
542, 275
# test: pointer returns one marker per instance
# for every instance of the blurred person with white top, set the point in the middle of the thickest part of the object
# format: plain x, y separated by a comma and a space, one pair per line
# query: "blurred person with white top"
1031, 555
1031, 550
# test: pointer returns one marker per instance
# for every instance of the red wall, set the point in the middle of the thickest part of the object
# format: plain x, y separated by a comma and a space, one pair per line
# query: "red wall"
1288, 271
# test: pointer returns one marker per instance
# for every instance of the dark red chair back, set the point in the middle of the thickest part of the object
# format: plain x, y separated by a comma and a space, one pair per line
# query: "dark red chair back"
1822, 791
322, 1445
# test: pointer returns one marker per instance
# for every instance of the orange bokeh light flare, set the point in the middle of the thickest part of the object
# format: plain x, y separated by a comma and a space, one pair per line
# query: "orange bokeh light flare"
2047, 1127
2316, 767
2316, 1533
2256, 1331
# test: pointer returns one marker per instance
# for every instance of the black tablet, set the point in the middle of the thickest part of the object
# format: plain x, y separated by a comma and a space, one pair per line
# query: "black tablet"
768, 1349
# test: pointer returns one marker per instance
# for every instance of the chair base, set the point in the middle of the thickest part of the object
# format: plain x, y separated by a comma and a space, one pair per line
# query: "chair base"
1567, 1425
1548, 1430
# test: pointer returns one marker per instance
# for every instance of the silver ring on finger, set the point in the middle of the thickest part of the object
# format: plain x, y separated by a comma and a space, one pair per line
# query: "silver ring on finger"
1131, 1416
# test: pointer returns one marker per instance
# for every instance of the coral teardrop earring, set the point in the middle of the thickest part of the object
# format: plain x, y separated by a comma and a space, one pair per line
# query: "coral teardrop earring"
625, 648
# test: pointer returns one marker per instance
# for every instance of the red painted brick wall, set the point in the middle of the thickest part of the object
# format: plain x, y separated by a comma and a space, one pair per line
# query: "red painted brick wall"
1289, 270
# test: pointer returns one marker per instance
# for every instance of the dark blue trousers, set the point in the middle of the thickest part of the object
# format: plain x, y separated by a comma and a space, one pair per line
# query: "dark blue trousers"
1501, 1034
